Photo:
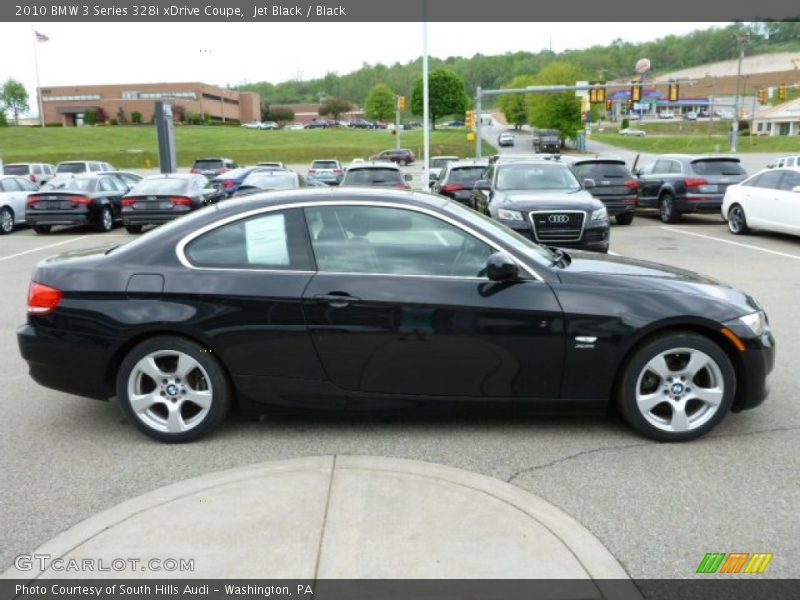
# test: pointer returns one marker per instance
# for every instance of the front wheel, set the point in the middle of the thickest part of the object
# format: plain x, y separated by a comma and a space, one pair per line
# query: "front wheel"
6, 220
667, 210
172, 389
737, 222
624, 218
676, 387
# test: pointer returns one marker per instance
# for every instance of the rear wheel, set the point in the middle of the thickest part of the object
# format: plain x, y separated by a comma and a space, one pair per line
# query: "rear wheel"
42, 228
106, 221
624, 218
737, 221
403, 163
172, 389
667, 210
133, 228
676, 387
6, 220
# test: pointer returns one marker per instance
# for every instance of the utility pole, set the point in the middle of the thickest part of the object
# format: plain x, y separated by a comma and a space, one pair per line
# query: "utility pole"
741, 42
711, 109
478, 111
397, 122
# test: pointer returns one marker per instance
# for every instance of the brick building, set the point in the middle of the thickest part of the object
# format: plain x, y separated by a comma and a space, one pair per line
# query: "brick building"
66, 105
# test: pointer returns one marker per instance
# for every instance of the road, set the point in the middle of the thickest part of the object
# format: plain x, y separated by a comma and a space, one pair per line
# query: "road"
658, 508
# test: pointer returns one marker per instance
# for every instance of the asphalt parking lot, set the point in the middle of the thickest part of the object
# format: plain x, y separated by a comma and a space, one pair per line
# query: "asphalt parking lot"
658, 508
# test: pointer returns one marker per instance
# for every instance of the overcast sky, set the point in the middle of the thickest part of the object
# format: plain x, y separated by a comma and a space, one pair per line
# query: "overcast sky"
234, 53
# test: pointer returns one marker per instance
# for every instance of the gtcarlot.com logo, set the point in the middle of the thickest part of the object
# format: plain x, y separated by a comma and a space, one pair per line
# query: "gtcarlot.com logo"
734, 562
45, 562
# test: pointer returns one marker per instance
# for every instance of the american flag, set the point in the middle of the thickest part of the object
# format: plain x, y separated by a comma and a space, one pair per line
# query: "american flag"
40, 37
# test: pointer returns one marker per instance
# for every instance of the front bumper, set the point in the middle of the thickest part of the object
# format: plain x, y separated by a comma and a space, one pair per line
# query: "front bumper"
753, 365
594, 239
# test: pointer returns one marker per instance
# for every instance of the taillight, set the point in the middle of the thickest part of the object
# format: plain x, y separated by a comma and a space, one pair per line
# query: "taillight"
310, 171
32, 200
695, 182
452, 187
128, 201
42, 299
181, 200
194, 171
79, 199
632, 184
337, 171
228, 183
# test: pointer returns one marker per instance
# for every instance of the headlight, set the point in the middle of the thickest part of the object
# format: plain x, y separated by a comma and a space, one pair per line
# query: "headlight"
510, 215
756, 322
601, 214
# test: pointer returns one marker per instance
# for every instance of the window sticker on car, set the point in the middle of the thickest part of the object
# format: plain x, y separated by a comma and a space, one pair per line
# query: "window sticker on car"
266, 241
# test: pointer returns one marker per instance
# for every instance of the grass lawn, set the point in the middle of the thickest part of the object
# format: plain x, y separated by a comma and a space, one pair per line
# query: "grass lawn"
136, 147
658, 144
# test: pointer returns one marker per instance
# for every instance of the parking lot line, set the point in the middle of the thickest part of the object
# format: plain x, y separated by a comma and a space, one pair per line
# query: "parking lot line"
43, 247
716, 239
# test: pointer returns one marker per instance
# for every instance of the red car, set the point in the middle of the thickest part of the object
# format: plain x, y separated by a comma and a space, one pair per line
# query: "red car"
400, 156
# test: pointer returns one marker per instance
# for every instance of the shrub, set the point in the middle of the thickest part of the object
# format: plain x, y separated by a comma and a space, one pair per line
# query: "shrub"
3, 119
121, 116
113, 121
90, 116
136, 117
625, 123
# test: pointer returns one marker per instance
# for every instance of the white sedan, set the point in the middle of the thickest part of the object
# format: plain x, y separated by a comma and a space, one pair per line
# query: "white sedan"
769, 200
13, 197
630, 131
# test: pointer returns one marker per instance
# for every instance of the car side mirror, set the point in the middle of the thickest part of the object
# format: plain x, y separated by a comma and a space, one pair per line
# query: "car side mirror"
588, 183
483, 185
407, 177
501, 267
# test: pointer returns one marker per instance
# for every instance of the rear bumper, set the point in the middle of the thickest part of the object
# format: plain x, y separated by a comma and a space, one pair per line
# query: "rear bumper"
149, 217
615, 207
54, 218
63, 365
700, 203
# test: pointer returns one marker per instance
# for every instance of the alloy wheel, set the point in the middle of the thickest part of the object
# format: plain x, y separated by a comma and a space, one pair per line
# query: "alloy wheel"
6, 221
679, 390
736, 220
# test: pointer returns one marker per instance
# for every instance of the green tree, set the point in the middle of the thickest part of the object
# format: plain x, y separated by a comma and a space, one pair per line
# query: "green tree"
89, 116
136, 117
562, 110
380, 103
3, 120
334, 107
280, 114
122, 118
446, 95
14, 97
515, 106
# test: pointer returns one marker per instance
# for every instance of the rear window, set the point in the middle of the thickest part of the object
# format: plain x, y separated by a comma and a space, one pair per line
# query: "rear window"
207, 165
16, 170
372, 176
159, 186
73, 167
466, 175
718, 167
80, 185
271, 180
602, 170
324, 164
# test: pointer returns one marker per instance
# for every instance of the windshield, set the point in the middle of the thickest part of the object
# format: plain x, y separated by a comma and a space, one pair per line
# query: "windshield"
718, 167
507, 236
324, 164
536, 177
75, 167
271, 180
372, 177
15, 169
162, 185
602, 170
466, 175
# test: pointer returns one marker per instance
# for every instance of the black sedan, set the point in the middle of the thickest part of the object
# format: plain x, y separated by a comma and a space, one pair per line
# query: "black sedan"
84, 200
545, 201
162, 198
363, 298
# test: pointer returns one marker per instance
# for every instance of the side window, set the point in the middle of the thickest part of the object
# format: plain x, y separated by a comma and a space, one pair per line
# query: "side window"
37, 169
770, 179
753, 181
11, 185
791, 179
647, 169
27, 184
392, 241
122, 186
275, 240
675, 167
662, 166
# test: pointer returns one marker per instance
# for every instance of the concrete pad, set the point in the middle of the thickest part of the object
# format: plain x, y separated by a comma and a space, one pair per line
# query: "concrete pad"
338, 517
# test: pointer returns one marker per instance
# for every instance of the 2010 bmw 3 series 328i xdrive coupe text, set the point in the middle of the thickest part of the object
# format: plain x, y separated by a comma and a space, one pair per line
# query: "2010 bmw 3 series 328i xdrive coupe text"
366, 298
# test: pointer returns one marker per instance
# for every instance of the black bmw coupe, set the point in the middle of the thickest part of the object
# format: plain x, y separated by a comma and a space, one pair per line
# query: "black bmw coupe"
368, 298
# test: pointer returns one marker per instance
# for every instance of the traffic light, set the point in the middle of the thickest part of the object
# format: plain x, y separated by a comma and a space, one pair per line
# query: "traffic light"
636, 92
597, 95
674, 92
609, 104
470, 122
401, 102
762, 96
782, 91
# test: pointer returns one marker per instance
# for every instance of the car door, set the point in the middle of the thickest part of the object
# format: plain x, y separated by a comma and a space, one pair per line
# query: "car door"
648, 185
761, 203
13, 193
788, 202
113, 190
398, 306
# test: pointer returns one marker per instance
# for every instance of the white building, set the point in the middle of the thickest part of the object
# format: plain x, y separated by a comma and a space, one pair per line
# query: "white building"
783, 119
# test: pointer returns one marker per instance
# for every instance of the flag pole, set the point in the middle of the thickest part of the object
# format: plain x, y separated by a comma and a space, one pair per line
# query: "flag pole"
38, 84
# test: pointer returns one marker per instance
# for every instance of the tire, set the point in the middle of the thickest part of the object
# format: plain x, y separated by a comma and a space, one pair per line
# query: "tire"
133, 228
737, 221
676, 387
106, 221
624, 218
42, 228
666, 209
200, 392
6, 220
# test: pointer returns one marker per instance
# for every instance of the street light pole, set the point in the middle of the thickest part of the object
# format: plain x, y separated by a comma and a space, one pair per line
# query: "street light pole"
478, 111
426, 134
741, 40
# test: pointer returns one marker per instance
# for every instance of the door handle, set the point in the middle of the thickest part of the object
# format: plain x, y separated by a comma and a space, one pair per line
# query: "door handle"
336, 300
